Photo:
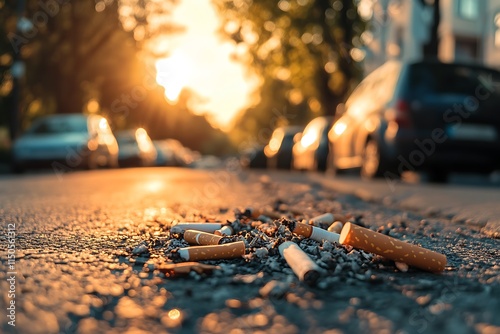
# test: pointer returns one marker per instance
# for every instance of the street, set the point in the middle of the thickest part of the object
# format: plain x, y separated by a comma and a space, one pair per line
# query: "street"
75, 271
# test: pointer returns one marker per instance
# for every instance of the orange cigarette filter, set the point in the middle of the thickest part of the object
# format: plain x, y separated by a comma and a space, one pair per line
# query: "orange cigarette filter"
201, 238
303, 229
391, 248
213, 252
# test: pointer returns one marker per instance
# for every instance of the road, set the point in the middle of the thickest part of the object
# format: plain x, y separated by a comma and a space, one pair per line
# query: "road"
75, 270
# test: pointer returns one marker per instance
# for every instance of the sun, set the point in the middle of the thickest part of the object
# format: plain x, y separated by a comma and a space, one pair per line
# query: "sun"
173, 74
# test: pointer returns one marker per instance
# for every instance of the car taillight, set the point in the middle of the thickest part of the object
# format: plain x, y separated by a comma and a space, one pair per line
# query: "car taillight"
402, 114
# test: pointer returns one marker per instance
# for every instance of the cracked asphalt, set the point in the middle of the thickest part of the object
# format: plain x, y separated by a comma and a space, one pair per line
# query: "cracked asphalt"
75, 271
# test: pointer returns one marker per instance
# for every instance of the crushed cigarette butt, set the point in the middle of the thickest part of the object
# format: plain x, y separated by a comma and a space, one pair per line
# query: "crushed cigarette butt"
183, 269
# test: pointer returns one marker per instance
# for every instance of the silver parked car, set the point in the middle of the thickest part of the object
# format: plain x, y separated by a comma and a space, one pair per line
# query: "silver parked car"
310, 151
420, 116
66, 142
136, 148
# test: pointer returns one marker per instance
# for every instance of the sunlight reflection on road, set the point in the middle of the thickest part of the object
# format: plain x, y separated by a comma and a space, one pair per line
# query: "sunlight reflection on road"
154, 186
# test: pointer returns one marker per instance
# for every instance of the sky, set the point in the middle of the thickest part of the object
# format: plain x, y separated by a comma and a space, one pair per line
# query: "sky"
200, 60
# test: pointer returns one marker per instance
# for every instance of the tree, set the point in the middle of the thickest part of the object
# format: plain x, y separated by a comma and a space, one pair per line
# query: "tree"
79, 52
98, 56
309, 46
431, 48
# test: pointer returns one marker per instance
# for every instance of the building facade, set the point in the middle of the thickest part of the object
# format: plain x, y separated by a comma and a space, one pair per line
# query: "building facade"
469, 31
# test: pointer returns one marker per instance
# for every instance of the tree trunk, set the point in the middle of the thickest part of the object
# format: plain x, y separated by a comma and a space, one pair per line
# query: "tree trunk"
431, 48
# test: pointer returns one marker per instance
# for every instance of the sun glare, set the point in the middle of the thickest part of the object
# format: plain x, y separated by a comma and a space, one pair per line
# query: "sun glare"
173, 75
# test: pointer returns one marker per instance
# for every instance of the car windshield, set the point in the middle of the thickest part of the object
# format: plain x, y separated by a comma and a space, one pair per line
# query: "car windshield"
60, 125
451, 79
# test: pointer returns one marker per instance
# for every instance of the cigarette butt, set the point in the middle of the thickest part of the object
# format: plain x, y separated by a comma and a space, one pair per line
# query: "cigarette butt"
201, 238
391, 248
255, 213
315, 233
326, 218
182, 269
303, 229
340, 217
213, 252
271, 214
204, 227
224, 230
302, 265
336, 227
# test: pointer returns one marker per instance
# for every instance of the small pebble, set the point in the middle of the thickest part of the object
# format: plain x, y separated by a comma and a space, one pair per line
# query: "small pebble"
261, 252
403, 267
141, 248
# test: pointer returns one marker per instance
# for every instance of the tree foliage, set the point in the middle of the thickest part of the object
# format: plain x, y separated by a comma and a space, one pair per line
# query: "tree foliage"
307, 48
90, 56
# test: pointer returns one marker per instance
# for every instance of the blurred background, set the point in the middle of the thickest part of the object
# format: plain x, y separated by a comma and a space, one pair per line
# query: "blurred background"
216, 77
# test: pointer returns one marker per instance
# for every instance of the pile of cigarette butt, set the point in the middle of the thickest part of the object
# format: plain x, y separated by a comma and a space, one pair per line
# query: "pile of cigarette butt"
332, 246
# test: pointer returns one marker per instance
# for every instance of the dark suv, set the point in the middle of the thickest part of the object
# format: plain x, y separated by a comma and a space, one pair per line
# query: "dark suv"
427, 116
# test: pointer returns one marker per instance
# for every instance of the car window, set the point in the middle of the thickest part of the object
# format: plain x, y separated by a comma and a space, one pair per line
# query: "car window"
60, 125
448, 79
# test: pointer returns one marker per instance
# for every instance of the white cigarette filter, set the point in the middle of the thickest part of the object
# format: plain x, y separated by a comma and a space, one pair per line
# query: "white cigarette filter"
225, 230
302, 265
204, 227
201, 238
326, 218
213, 252
391, 248
315, 233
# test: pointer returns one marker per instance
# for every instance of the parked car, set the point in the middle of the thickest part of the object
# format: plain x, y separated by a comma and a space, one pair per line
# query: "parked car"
254, 157
279, 149
136, 148
310, 151
426, 115
166, 155
65, 142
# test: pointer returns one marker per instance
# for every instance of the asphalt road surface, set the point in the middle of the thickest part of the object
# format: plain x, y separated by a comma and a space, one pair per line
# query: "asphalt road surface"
75, 269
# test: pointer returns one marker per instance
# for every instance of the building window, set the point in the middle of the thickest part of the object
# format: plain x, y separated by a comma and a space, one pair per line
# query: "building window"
468, 9
497, 30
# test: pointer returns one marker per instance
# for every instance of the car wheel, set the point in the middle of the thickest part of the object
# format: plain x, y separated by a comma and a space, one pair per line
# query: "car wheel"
92, 161
113, 162
372, 163
17, 169
320, 162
